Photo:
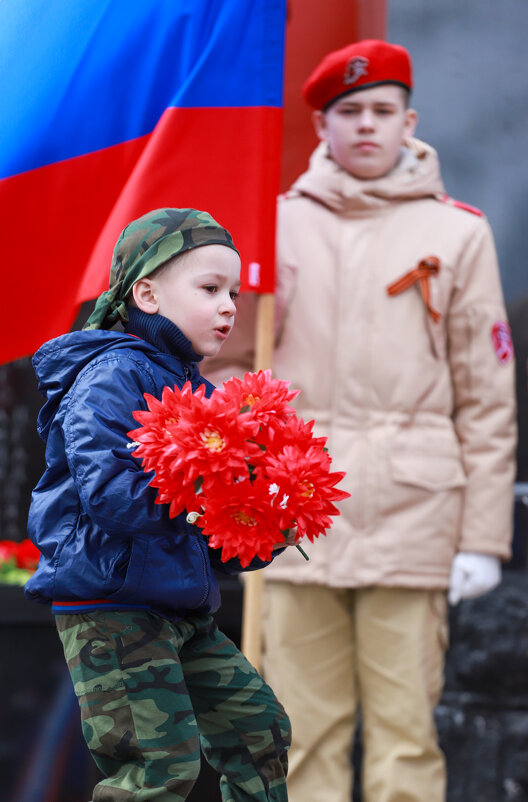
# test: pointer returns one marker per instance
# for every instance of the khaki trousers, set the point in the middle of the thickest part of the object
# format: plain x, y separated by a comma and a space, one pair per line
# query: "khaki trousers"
329, 651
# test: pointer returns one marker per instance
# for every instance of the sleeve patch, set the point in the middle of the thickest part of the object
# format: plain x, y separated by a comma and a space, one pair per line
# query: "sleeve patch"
502, 341
461, 205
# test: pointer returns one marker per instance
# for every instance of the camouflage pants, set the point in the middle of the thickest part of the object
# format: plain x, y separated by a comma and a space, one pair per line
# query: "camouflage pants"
151, 692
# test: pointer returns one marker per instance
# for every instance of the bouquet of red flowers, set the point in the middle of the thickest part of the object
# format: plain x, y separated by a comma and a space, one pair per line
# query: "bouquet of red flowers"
242, 464
18, 561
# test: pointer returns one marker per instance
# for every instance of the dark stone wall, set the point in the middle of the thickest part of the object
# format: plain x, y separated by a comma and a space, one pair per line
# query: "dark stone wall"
518, 317
483, 715
21, 450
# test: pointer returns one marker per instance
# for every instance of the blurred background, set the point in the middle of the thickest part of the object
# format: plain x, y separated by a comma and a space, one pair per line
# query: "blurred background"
471, 94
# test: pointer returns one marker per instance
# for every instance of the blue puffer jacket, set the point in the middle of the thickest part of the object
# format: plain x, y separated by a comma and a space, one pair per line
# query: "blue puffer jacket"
104, 542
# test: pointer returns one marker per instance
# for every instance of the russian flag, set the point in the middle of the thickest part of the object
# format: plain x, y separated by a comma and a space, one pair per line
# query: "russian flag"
111, 108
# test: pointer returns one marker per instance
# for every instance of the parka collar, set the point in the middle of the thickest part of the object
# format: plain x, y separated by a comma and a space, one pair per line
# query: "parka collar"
416, 175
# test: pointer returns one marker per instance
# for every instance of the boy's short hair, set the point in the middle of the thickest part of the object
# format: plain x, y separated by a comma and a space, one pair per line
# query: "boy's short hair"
146, 244
360, 65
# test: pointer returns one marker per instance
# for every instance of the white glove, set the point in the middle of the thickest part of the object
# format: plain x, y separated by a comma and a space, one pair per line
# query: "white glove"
472, 575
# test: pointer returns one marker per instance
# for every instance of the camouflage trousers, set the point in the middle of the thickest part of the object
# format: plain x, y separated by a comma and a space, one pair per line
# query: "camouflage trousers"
152, 692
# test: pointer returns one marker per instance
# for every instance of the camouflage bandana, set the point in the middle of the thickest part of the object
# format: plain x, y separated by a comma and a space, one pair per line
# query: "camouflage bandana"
146, 244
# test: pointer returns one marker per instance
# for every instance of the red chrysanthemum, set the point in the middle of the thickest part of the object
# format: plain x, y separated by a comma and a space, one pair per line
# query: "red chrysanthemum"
24, 553
175, 491
156, 434
186, 438
305, 489
265, 399
213, 440
27, 555
242, 521
294, 432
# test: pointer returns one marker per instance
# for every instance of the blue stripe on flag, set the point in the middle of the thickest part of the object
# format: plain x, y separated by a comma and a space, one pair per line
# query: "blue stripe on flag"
80, 75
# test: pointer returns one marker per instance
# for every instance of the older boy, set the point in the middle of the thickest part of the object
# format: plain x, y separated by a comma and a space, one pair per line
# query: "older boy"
132, 589
391, 322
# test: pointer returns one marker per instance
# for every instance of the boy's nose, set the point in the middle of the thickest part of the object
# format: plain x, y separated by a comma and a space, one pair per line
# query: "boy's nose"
228, 306
366, 120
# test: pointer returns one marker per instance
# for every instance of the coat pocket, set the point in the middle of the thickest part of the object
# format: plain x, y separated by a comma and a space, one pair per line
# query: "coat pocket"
128, 571
425, 496
427, 459
434, 472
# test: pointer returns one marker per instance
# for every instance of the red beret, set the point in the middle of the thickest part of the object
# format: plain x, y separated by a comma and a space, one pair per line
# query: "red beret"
357, 66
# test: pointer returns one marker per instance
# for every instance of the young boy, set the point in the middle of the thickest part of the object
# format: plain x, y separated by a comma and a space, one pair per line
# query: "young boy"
391, 322
132, 590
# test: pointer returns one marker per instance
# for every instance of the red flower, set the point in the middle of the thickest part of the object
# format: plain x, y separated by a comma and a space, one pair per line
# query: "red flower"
294, 432
265, 399
27, 555
242, 522
24, 554
156, 434
8, 550
174, 491
214, 439
305, 489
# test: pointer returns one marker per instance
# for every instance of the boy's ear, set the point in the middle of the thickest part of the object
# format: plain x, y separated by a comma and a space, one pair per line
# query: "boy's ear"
319, 123
411, 121
145, 296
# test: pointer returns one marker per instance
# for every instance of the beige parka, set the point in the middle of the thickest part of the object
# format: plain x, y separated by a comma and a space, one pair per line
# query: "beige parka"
417, 404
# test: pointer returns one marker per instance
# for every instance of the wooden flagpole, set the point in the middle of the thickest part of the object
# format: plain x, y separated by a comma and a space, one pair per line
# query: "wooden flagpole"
254, 582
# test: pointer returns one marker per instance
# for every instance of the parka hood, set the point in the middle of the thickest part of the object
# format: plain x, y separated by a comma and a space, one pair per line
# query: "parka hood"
417, 175
59, 361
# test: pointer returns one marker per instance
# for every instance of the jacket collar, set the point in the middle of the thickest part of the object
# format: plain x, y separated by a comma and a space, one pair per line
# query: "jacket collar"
162, 333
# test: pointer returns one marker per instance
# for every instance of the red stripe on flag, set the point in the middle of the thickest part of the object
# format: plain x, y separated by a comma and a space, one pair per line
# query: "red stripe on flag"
52, 217
224, 161
61, 221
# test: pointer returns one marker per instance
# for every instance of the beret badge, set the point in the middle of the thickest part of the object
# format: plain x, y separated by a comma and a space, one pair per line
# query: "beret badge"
355, 69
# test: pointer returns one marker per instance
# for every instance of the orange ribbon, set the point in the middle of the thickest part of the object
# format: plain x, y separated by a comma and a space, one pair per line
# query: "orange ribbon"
429, 266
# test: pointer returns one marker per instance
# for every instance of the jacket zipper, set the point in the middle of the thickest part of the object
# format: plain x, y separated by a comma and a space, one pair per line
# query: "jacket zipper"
201, 547
200, 544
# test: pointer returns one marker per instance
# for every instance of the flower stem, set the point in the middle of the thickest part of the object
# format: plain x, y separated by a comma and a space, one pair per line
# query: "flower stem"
286, 532
302, 552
